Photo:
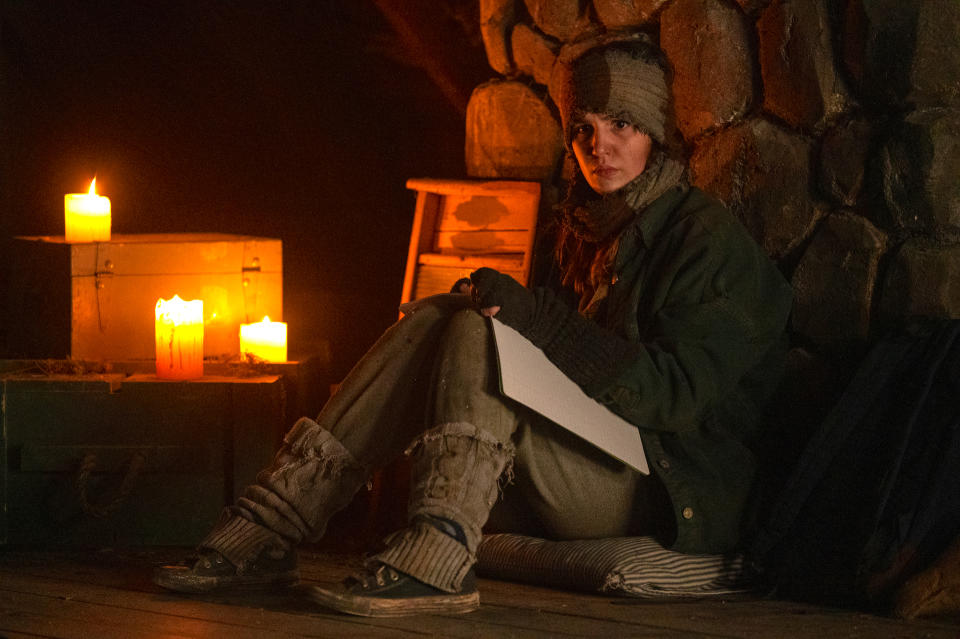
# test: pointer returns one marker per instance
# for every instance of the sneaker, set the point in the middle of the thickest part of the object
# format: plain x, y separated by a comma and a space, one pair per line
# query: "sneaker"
381, 591
211, 571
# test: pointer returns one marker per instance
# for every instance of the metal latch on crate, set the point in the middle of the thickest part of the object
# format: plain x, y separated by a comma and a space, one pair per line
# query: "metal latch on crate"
101, 277
251, 285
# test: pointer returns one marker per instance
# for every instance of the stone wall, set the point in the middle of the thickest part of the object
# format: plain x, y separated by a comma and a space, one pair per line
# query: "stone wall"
830, 127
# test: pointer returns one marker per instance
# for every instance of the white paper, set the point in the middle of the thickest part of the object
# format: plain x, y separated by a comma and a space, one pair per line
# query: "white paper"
527, 376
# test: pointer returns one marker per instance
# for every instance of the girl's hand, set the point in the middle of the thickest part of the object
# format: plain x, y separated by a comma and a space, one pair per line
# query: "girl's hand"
499, 295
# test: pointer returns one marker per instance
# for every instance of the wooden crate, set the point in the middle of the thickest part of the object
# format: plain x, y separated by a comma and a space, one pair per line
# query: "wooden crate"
461, 225
67, 443
95, 301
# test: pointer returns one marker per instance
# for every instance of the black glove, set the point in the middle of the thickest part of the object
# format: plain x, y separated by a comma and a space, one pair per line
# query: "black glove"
516, 302
586, 353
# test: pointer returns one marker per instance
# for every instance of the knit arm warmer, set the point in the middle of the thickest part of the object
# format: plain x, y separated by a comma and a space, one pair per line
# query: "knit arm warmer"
585, 352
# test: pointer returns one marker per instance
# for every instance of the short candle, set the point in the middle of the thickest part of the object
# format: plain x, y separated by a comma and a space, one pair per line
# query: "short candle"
266, 340
179, 332
86, 216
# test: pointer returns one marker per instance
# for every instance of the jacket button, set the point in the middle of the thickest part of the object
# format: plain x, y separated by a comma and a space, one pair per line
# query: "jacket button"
687, 513
663, 463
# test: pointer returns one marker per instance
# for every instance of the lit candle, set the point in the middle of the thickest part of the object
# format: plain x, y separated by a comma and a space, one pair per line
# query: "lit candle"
266, 340
179, 330
87, 216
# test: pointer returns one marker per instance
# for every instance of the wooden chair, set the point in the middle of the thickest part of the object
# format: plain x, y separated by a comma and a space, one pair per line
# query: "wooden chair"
461, 225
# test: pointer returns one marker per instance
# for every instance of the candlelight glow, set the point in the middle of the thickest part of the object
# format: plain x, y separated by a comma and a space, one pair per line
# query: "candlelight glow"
87, 216
179, 337
265, 340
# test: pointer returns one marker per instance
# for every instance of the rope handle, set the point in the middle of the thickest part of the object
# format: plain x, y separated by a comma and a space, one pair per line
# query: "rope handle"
101, 511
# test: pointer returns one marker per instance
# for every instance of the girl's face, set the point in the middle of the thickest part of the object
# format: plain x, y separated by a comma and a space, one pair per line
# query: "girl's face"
610, 152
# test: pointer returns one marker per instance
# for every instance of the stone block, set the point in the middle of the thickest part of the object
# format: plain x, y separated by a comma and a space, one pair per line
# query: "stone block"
752, 6
851, 42
561, 19
879, 39
709, 49
843, 161
622, 14
533, 53
904, 52
835, 279
923, 280
762, 172
497, 18
919, 165
935, 71
511, 133
800, 82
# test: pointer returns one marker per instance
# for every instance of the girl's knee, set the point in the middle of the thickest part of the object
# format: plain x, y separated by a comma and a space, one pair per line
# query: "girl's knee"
467, 322
470, 317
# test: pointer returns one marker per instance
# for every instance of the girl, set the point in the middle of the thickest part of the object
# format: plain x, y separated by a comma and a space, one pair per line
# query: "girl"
657, 303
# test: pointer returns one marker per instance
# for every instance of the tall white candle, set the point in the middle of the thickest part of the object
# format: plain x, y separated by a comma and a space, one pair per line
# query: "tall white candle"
179, 333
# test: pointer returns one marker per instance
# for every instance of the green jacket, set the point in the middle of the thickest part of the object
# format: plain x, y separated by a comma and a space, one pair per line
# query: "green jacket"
709, 308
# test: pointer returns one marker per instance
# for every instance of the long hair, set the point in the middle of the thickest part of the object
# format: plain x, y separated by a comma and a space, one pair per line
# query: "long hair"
579, 254
575, 255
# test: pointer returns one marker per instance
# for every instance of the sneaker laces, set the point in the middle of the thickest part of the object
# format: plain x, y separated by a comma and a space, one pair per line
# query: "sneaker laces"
375, 575
212, 559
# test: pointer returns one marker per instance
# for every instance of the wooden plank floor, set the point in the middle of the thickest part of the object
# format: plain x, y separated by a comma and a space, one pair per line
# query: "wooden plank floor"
107, 594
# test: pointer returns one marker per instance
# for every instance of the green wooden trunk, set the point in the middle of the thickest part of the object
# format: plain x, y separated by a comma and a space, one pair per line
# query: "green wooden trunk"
113, 459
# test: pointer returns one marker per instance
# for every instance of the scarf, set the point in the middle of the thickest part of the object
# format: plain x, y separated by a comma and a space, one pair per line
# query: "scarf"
591, 226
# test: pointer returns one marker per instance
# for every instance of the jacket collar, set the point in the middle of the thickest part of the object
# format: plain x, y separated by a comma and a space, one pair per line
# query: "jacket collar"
647, 226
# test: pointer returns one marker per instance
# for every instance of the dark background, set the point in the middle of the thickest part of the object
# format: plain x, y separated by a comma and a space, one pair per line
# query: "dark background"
295, 120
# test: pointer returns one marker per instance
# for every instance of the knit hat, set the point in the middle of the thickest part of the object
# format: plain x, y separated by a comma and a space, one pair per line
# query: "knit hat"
623, 79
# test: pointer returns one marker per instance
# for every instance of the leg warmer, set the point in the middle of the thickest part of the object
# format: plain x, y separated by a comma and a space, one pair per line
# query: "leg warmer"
312, 477
455, 475
242, 541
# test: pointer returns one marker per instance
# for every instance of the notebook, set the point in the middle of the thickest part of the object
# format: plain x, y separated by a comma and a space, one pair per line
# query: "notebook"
528, 377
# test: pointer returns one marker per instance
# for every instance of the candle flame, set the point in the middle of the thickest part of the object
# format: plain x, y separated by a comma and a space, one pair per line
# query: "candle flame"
93, 187
266, 318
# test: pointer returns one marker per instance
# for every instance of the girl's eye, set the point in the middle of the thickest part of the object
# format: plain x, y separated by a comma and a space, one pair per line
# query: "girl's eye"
621, 124
582, 129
